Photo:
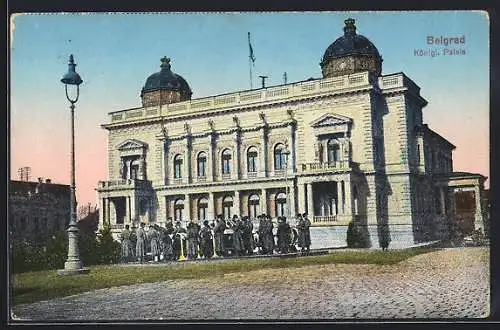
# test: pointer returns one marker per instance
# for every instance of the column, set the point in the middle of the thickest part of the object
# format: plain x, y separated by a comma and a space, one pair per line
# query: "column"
166, 169
133, 213
340, 200
107, 206
210, 159
127, 218
187, 208
310, 205
442, 200
236, 203
129, 172
101, 211
348, 197
186, 161
142, 168
211, 212
291, 198
263, 201
263, 154
478, 219
301, 198
235, 173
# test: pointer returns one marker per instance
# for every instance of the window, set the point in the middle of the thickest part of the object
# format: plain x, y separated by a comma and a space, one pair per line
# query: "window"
202, 209
134, 169
281, 204
252, 160
279, 157
178, 209
333, 150
226, 161
202, 164
253, 206
227, 205
177, 167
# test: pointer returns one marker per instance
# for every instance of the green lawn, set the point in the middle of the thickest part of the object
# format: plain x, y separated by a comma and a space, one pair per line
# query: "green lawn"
42, 285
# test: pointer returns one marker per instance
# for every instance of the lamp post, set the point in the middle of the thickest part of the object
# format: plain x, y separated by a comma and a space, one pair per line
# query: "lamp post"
286, 153
73, 265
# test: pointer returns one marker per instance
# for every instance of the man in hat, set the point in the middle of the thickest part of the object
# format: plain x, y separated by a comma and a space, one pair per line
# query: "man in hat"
247, 236
126, 244
220, 227
206, 240
154, 239
176, 240
307, 232
140, 247
192, 240
238, 229
284, 237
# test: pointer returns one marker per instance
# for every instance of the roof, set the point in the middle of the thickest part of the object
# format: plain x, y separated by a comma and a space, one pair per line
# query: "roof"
23, 187
422, 129
165, 79
350, 44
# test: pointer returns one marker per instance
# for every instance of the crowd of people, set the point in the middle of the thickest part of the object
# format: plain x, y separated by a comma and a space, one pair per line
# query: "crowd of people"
172, 242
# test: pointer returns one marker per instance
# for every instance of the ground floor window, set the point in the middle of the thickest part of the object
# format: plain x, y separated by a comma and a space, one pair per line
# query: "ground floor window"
281, 204
178, 210
202, 209
253, 206
227, 205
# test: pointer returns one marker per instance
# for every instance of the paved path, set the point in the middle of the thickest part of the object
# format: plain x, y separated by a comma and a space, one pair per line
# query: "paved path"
450, 283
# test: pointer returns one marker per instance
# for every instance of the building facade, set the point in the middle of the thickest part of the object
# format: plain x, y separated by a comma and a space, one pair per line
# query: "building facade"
350, 146
37, 210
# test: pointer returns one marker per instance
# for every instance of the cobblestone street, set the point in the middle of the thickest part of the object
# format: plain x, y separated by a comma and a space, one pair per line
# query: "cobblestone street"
449, 283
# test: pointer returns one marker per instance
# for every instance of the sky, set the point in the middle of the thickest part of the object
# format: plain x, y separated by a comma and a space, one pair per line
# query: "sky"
116, 52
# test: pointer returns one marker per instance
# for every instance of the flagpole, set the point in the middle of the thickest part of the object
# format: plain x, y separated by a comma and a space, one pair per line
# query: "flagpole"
250, 60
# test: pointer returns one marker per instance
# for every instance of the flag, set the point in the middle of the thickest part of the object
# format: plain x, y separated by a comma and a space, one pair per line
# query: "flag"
252, 57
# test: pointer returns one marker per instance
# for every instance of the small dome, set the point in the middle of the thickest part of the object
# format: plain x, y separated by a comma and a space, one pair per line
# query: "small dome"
168, 81
350, 44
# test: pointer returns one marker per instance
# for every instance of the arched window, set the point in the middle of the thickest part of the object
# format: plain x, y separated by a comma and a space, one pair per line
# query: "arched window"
252, 160
253, 206
333, 149
281, 204
279, 157
177, 167
178, 209
226, 161
227, 205
202, 164
202, 208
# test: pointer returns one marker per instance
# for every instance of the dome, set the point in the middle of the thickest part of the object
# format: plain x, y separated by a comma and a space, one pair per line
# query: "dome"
166, 80
350, 44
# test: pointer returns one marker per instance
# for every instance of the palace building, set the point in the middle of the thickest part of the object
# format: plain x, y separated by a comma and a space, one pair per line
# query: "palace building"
349, 146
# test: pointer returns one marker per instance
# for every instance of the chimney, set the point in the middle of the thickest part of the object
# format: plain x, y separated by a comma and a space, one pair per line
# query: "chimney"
48, 181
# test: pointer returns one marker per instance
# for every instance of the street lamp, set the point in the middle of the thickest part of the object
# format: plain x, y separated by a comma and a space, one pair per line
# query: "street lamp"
73, 265
286, 153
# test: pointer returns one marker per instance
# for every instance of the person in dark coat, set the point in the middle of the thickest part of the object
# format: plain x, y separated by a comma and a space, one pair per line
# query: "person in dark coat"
260, 232
192, 240
284, 237
140, 247
248, 244
126, 244
206, 240
303, 225
266, 237
385, 238
238, 229
176, 241
219, 229
154, 240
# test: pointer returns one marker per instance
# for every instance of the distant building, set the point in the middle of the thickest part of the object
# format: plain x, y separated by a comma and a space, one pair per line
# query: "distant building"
351, 145
37, 210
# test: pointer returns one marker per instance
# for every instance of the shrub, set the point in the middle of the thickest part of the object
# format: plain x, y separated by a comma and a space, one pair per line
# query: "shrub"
355, 237
109, 249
